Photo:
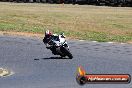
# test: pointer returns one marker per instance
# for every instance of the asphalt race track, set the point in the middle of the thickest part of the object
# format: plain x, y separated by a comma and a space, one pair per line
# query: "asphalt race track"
35, 67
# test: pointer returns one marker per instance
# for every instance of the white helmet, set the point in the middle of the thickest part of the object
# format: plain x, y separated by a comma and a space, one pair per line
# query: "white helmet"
47, 32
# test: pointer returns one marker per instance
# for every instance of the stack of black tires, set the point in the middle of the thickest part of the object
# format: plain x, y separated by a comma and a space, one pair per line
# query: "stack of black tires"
88, 2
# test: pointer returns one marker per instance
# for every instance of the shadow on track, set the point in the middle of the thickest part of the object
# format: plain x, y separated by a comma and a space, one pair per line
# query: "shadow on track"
51, 58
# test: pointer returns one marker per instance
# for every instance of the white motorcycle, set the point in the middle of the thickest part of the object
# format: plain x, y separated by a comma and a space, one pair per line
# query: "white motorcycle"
58, 45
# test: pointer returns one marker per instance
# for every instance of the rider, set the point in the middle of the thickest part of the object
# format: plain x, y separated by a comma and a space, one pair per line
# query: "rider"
47, 36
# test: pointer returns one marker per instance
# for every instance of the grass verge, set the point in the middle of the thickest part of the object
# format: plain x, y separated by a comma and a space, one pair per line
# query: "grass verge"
81, 22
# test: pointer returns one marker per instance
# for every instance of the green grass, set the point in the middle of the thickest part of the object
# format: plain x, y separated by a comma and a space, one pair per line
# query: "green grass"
82, 22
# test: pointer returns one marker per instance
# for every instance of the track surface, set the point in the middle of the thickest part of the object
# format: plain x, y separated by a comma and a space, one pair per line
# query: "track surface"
35, 67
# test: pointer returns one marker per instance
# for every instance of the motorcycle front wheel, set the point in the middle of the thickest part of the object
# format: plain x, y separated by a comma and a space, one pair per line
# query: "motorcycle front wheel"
66, 51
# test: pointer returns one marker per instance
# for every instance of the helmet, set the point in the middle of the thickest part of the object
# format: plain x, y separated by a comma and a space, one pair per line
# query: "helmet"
47, 32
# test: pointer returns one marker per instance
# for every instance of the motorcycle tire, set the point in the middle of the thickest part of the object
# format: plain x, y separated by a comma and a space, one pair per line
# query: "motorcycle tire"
66, 51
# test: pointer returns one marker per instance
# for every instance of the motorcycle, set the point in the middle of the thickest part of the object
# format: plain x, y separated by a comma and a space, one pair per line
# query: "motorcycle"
58, 45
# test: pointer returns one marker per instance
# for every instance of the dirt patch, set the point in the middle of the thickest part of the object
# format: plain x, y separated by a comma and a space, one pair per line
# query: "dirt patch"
21, 34
40, 36
37, 35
